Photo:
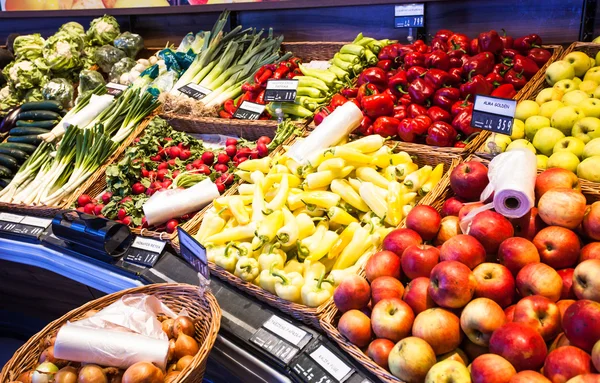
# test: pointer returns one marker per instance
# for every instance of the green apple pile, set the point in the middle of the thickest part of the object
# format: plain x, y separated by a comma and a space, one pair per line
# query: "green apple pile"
562, 125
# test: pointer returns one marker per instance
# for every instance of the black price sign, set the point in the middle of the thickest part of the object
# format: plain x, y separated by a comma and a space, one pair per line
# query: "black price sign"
494, 114
321, 365
23, 226
280, 338
144, 251
115, 89
249, 111
281, 90
193, 252
195, 91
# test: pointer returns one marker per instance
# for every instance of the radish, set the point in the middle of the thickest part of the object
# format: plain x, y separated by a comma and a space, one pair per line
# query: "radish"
137, 139
106, 196
89, 208
83, 200
152, 175
138, 188
220, 186
145, 172
172, 162
144, 222
150, 191
254, 154
203, 169
172, 225
163, 165
197, 163
80, 209
189, 167
156, 158
174, 151
126, 199
175, 173
167, 183
264, 140
161, 174
240, 160
227, 178
157, 185
208, 158
127, 220
98, 209
185, 154
230, 142
168, 139
221, 168
231, 150
122, 213
223, 158
262, 149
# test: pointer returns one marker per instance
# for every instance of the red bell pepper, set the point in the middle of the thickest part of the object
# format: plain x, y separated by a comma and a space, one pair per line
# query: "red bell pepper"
490, 42
225, 114
405, 100
501, 69
262, 76
525, 65
365, 90
375, 76
365, 128
414, 59
482, 63
446, 97
507, 41
539, 55
294, 73
386, 65
420, 46
525, 43
405, 132
437, 44
355, 102
295, 62
516, 79
474, 47
337, 100
415, 72
415, 110
495, 79
400, 112
456, 56
229, 106
444, 34
247, 87
282, 70
320, 116
386, 126
438, 60
389, 52
421, 90
391, 94
459, 106
260, 99
460, 144
420, 124
454, 76
378, 105
509, 54
437, 77
438, 114
349, 92
458, 41
475, 85
462, 122
441, 134
398, 83
504, 91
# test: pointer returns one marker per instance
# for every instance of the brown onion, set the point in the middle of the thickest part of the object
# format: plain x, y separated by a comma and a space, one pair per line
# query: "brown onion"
48, 356
172, 367
171, 376
143, 372
185, 345
66, 375
167, 327
184, 362
25, 377
171, 349
183, 325
114, 374
91, 373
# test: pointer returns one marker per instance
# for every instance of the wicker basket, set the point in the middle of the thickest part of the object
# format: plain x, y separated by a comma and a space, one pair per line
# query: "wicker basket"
175, 296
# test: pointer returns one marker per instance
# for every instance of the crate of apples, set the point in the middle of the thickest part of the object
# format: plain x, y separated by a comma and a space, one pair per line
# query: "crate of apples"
511, 301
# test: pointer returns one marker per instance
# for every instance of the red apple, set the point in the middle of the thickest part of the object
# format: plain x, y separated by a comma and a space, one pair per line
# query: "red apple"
480, 318
581, 324
467, 208
473, 350
528, 225
495, 282
555, 178
356, 327
416, 295
563, 305
590, 251
411, 359
451, 284
449, 228
383, 263
418, 260
425, 220
386, 287
491, 229
586, 280
514, 253
510, 313
585, 378
529, 376
379, 351
452, 206
463, 248
567, 291
520, 344
560, 341
457, 355
567, 362
491, 368
558, 247
392, 319
591, 221
469, 179
438, 327
539, 279
539, 313
399, 239
562, 207
352, 293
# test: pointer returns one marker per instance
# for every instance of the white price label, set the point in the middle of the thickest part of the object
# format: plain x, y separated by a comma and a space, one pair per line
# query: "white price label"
38, 222
331, 363
495, 105
8, 217
282, 84
114, 85
149, 244
409, 10
253, 107
285, 330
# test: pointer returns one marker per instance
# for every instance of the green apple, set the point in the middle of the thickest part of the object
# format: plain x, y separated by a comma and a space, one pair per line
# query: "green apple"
586, 129
590, 107
564, 118
518, 129
565, 160
589, 169
547, 109
501, 141
565, 86
597, 57
521, 144
591, 149
588, 86
556, 95
542, 161
596, 93
592, 62
593, 74
535, 123
570, 144
526, 108
545, 95
596, 41
545, 139
559, 70
577, 81
574, 97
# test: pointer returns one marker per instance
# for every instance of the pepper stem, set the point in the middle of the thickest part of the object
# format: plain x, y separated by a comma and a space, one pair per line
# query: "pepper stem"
284, 280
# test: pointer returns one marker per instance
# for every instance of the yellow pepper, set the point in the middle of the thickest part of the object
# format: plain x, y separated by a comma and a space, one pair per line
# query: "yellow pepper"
315, 213
273, 256
289, 286
356, 248
237, 208
320, 199
271, 179
288, 234
403, 170
292, 165
323, 178
416, 179
394, 204
309, 244
247, 269
343, 189
406, 209
332, 164
238, 233
280, 198
293, 266
340, 216
389, 173
434, 178
401, 158
267, 229
262, 165
246, 189
258, 199
316, 292
306, 225
324, 245
382, 158
244, 176
366, 144
350, 155
409, 198
211, 224
312, 269
228, 259
367, 174
279, 169
214, 251
316, 158
267, 280
373, 199
343, 240
355, 183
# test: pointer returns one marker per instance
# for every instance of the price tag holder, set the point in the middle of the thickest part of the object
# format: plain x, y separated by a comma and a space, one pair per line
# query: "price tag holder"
280, 338
115, 89
29, 229
494, 114
409, 16
195, 91
249, 111
281, 90
321, 365
144, 251
193, 252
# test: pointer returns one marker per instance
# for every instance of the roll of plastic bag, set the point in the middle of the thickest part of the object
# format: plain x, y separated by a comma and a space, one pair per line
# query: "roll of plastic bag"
86, 115
164, 205
334, 127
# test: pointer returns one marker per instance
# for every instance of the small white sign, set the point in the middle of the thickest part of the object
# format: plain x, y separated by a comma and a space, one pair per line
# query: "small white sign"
114, 85
149, 244
8, 217
500, 106
199, 88
282, 84
285, 330
253, 107
331, 363
38, 222
417, 9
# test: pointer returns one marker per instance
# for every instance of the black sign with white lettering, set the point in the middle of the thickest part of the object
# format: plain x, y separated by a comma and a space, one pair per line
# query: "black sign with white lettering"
195, 91
281, 338
14, 226
144, 251
494, 114
249, 111
193, 252
281, 90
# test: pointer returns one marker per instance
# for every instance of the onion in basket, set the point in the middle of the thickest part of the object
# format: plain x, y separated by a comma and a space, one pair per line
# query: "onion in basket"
171, 376
25, 377
143, 372
44, 373
48, 356
66, 375
183, 325
92, 373
167, 327
185, 345
184, 362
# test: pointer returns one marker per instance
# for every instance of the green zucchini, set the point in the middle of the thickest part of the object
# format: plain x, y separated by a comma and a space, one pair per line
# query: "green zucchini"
4, 182
51, 105
38, 115
27, 148
31, 139
17, 154
9, 162
25, 131
5, 172
39, 124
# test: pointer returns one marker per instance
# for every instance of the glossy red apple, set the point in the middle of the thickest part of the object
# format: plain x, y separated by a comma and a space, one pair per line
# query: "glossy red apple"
585, 378
438, 327
480, 318
510, 313
449, 227
590, 251
451, 284
562, 207
399, 239
586, 280
452, 206
520, 344
558, 247
567, 287
491, 229
495, 282
541, 314
528, 376
515, 252
356, 327
563, 305
392, 319
555, 178
464, 249
528, 225
353, 292
491, 368
467, 208
591, 221
425, 220
469, 179
416, 295
386, 287
379, 351
567, 362
539, 279
581, 324
419, 260
383, 263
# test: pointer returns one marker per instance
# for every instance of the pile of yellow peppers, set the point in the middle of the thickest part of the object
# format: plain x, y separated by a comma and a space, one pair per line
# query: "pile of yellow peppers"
290, 226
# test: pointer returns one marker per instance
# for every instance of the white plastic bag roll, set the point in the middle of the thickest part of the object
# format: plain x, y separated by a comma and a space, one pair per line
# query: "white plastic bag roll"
86, 115
163, 206
334, 127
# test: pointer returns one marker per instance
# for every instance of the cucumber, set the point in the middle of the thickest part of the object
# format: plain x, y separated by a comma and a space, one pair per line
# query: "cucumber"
39, 124
24, 131
5, 172
38, 115
4, 182
9, 162
51, 105
27, 148
31, 139
17, 154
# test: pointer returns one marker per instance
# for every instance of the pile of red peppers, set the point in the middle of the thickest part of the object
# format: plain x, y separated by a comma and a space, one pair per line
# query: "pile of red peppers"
423, 93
